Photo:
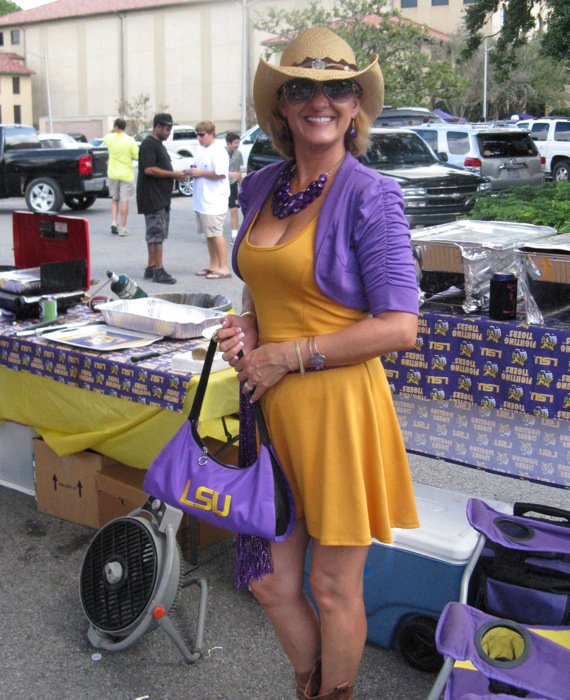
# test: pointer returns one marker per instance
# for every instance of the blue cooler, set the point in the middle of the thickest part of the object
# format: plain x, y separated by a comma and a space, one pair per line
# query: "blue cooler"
408, 583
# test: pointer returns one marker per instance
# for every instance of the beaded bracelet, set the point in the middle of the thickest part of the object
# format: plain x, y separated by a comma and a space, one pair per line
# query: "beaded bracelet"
249, 313
316, 359
299, 357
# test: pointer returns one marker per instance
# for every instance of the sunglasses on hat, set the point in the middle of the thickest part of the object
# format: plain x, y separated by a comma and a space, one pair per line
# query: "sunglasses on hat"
300, 90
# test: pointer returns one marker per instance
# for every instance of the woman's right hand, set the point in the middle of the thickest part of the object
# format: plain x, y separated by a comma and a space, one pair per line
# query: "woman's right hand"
237, 334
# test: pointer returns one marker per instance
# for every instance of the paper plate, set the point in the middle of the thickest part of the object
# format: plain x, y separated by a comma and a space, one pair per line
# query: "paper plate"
209, 332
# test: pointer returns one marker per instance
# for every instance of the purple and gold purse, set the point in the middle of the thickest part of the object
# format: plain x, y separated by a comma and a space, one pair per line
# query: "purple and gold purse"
248, 500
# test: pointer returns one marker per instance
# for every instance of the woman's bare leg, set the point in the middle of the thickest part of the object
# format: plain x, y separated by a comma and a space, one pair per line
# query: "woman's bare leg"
282, 596
337, 586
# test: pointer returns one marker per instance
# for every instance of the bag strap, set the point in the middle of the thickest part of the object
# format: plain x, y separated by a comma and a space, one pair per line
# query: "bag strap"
201, 391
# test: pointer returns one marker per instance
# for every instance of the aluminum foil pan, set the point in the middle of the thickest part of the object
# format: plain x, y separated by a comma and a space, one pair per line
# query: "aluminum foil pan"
21, 281
219, 302
159, 317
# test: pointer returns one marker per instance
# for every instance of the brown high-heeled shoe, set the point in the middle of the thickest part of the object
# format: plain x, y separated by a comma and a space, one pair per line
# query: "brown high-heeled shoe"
342, 692
309, 681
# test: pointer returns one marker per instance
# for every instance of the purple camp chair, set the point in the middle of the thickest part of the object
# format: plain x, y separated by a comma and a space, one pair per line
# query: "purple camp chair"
504, 659
519, 571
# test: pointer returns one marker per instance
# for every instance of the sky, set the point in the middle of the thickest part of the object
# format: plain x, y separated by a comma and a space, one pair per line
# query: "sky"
28, 4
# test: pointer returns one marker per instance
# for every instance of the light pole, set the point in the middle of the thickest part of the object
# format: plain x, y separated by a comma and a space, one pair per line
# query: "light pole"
245, 5
485, 76
48, 92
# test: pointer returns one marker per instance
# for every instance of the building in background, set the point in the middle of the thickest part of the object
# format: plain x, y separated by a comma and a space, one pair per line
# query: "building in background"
15, 90
192, 58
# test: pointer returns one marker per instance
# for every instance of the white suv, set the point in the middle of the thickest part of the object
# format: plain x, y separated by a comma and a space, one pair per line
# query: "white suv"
552, 136
507, 156
182, 140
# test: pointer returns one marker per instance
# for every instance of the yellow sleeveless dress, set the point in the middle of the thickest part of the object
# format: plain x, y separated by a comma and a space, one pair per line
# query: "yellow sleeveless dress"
335, 431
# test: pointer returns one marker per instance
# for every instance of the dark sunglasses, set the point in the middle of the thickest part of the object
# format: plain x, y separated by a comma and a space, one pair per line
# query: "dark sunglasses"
200, 133
302, 90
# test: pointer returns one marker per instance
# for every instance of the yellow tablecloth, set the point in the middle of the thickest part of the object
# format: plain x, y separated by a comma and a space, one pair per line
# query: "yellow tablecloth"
71, 419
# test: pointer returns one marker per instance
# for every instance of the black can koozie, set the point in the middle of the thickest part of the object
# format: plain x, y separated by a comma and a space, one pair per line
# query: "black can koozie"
503, 297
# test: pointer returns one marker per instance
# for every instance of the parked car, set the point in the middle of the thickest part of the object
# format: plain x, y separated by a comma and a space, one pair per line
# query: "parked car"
49, 177
186, 187
247, 140
406, 116
434, 192
507, 156
98, 143
552, 138
182, 139
59, 141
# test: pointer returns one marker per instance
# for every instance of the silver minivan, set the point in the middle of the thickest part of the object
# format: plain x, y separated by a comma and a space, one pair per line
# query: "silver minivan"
507, 156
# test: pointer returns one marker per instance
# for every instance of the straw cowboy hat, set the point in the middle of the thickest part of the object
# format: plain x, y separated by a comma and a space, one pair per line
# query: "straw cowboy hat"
317, 54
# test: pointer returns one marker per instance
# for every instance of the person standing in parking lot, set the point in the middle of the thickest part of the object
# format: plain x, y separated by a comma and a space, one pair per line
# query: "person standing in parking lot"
211, 193
154, 193
330, 286
236, 162
123, 149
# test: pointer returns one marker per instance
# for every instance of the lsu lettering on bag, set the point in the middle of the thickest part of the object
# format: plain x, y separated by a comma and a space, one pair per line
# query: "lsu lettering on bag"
248, 500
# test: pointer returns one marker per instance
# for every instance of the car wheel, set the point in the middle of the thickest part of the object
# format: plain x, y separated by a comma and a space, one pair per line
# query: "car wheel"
43, 195
80, 202
561, 171
186, 187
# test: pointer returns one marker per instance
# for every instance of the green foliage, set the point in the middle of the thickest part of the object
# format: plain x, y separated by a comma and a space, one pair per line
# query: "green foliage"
7, 6
520, 21
409, 75
547, 205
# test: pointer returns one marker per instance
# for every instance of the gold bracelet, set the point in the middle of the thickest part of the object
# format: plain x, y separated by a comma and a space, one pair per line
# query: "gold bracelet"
252, 314
299, 357
316, 359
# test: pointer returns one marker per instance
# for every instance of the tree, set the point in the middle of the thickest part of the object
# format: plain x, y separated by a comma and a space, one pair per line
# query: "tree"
520, 20
138, 112
7, 6
403, 48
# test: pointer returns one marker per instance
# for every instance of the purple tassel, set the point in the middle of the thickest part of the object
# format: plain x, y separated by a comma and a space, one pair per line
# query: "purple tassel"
253, 554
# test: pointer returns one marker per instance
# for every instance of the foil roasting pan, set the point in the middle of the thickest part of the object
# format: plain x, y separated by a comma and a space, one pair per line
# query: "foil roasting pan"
159, 317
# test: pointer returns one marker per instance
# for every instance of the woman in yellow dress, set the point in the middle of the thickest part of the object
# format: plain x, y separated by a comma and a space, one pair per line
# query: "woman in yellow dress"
325, 253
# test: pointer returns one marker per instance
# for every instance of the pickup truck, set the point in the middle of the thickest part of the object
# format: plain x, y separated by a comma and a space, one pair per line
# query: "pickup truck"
552, 138
434, 192
49, 177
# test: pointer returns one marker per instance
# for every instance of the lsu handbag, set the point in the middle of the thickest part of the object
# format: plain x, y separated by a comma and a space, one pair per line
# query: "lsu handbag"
248, 500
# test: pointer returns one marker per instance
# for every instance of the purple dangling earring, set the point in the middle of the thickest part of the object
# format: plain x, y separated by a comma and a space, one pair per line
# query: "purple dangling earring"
352, 131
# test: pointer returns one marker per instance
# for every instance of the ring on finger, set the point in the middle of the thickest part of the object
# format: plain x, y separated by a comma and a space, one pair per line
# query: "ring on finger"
247, 388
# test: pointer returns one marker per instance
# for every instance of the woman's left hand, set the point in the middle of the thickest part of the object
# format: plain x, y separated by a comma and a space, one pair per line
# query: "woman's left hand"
263, 367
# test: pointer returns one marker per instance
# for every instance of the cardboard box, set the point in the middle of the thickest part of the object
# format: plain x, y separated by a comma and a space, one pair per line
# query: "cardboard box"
91, 489
66, 486
119, 491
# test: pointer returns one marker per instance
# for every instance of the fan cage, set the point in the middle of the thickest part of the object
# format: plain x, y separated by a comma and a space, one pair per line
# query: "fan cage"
115, 607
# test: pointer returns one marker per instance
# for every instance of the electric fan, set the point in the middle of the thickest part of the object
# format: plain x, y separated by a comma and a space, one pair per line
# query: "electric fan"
130, 577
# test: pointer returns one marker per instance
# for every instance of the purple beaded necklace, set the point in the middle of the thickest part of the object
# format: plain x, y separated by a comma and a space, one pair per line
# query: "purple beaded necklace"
283, 203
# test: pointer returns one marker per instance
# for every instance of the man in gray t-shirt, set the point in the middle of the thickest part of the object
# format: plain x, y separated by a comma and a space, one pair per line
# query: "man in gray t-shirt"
235, 177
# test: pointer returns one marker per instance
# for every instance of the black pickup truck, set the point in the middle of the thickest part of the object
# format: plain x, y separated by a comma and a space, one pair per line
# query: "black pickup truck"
49, 177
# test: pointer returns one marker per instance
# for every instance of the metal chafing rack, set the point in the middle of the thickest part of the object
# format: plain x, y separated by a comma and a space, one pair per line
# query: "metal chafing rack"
455, 262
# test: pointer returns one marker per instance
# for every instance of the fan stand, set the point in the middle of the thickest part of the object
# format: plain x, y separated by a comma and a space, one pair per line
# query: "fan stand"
132, 554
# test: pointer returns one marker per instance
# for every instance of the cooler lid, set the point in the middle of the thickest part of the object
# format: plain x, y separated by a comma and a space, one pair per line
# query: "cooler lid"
444, 532
50, 238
